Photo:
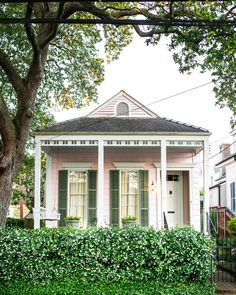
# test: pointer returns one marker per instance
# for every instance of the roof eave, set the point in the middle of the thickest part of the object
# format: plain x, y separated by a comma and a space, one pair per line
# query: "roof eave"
125, 133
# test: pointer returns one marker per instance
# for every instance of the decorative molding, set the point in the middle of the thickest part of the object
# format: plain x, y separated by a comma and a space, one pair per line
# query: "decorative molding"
136, 166
69, 143
77, 166
176, 165
131, 143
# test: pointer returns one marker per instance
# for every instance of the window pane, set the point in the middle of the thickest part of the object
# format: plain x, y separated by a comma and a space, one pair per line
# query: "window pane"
77, 194
233, 196
129, 193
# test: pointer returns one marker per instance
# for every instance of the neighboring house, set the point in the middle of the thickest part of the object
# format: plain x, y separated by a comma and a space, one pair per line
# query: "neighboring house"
122, 159
223, 192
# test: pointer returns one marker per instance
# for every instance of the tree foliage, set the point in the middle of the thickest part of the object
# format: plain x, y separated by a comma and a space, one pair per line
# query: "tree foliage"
47, 65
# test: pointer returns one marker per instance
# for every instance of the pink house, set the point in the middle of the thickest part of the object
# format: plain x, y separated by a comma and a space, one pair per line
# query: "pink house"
122, 159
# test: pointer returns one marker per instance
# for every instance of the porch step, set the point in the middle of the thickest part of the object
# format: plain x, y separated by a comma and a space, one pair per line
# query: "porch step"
226, 288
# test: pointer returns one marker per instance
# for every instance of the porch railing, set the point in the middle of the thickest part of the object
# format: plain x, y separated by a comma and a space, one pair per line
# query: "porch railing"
218, 221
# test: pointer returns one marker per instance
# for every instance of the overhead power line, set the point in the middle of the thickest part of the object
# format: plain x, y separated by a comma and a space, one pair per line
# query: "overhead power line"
179, 93
156, 101
123, 1
141, 22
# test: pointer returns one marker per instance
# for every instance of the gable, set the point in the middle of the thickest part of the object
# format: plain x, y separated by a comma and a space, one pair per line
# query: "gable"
122, 101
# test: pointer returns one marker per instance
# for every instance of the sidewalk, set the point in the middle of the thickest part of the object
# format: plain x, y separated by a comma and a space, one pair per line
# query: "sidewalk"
226, 288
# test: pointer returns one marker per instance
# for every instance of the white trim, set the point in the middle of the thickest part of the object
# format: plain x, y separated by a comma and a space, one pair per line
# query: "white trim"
77, 166
100, 190
37, 185
138, 196
175, 166
129, 166
163, 180
190, 196
50, 199
170, 136
159, 199
86, 196
206, 183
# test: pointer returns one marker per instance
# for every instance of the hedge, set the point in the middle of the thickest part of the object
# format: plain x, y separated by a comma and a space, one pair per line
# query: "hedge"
105, 254
76, 287
14, 222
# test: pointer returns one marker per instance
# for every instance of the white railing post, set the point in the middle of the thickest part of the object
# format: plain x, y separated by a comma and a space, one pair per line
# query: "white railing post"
50, 199
163, 181
37, 185
206, 184
100, 182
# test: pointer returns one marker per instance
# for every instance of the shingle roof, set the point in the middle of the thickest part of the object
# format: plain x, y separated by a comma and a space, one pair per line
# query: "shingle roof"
121, 125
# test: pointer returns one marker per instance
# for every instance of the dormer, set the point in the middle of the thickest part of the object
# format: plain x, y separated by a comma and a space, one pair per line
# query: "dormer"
122, 105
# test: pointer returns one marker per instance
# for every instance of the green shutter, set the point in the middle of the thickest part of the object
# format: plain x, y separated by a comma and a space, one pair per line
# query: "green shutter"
92, 197
62, 195
143, 185
114, 197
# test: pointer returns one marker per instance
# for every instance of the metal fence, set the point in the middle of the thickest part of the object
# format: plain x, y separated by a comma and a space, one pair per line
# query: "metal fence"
225, 258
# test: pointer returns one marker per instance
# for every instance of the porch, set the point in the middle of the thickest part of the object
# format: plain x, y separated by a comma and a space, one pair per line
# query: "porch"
170, 188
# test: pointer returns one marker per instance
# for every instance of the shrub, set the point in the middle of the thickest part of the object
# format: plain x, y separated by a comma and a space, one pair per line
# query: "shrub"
14, 222
232, 226
105, 254
77, 287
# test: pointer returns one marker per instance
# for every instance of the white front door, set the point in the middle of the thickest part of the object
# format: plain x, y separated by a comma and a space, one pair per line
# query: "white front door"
174, 199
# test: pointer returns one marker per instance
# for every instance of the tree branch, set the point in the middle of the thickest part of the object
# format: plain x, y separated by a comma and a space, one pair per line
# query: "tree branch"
8, 138
30, 32
155, 31
53, 33
14, 78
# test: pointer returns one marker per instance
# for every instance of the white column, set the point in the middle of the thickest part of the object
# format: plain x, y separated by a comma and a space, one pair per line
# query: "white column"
163, 181
37, 184
100, 182
159, 200
206, 184
50, 201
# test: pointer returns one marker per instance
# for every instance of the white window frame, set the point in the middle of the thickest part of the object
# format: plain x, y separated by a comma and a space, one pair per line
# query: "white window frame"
120, 193
86, 195
233, 196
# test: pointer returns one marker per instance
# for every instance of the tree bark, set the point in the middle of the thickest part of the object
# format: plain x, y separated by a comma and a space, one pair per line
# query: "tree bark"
6, 180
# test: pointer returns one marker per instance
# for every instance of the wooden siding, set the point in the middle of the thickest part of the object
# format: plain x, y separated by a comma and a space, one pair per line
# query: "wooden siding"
148, 156
109, 109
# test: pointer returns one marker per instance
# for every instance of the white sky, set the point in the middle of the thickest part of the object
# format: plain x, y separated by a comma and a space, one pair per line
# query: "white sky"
148, 74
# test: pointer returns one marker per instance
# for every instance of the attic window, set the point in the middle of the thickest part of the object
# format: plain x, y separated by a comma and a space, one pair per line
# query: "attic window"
122, 109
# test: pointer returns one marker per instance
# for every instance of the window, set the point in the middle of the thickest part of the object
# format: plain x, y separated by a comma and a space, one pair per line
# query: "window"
122, 109
129, 195
233, 196
77, 194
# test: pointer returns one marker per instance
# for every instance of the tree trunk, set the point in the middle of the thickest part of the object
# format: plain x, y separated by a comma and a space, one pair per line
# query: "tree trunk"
6, 180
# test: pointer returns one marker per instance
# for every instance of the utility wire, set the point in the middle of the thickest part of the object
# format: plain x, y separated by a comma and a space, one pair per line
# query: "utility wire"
125, 113
179, 93
222, 150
